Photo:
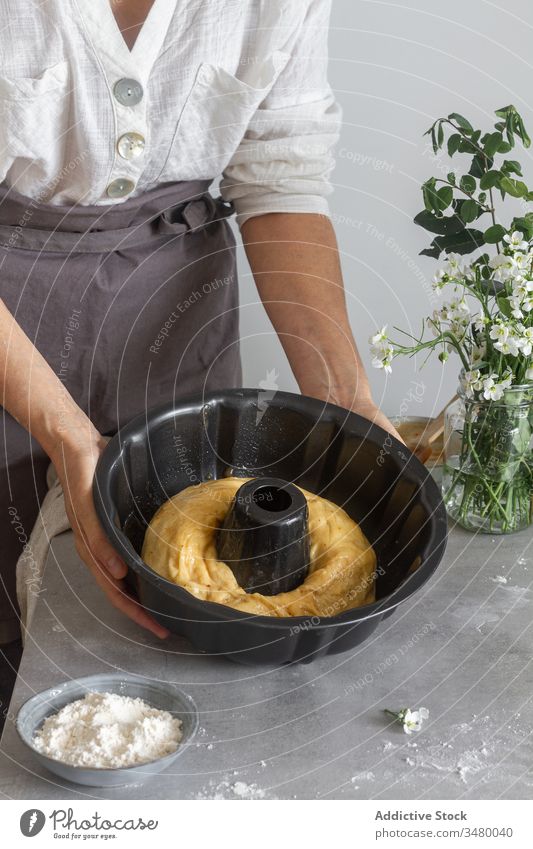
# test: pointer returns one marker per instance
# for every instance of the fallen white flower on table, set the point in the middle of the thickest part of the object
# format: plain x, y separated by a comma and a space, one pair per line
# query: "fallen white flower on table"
411, 720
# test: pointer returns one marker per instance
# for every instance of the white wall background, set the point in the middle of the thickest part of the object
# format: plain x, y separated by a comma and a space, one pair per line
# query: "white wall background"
395, 67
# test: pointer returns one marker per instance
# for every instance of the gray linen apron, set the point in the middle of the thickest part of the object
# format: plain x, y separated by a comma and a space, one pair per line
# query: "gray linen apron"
131, 305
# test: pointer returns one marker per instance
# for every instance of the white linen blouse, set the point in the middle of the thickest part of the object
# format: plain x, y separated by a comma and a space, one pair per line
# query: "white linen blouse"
236, 88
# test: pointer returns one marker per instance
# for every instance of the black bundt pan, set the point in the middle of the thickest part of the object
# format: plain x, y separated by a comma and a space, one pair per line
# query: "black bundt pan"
323, 448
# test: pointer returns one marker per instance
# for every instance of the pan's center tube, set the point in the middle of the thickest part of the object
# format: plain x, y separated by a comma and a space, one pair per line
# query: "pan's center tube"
264, 537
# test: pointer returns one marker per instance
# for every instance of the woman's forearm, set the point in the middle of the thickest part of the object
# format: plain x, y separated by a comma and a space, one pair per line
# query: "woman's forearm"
295, 262
34, 394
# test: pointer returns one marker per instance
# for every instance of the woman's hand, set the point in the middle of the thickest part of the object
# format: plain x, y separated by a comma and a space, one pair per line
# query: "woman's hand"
369, 410
75, 460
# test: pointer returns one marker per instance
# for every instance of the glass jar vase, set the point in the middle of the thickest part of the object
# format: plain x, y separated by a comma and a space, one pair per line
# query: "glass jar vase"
487, 480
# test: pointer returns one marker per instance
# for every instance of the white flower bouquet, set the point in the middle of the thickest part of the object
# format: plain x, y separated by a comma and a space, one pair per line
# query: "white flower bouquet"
487, 321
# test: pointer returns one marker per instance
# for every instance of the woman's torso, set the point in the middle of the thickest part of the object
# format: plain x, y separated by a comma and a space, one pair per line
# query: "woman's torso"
77, 105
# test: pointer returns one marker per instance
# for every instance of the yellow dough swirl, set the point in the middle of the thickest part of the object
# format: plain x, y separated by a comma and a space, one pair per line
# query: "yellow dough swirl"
180, 545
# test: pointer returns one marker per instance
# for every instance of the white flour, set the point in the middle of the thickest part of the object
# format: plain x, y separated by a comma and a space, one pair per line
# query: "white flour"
228, 789
107, 730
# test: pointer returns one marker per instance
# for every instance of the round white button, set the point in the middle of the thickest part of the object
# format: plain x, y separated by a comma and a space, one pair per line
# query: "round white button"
120, 188
128, 92
131, 145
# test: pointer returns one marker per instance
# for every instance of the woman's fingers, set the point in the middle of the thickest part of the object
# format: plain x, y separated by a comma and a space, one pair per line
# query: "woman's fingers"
101, 548
76, 472
86, 524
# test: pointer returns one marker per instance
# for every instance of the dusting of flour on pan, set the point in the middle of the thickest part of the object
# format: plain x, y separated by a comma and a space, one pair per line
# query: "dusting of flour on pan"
105, 730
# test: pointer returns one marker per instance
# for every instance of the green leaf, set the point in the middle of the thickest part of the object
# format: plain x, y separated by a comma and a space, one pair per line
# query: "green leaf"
461, 243
492, 143
470, 210
515, 188
464, 242
445, 197
482, 197
466, 146
505, 147
440, 135
443, 225
451, 177
504, 305
523, 223
428, 193
462, 122
503, 112
468, 183
511, 166
494, 234
489, 180
453, 143
434, 141
479, 165
526, 141
514, 125
434, 252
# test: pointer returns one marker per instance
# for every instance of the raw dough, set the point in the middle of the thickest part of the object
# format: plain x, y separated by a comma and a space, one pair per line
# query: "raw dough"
180, 545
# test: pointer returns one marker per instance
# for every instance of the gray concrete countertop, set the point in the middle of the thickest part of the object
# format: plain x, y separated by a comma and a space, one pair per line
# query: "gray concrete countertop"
462, 648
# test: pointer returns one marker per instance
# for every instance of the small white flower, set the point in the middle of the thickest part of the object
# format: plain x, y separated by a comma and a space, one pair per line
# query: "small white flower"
521, 287
509, 346
521, 260
440, 280
453, 267
459, 330
503, 266
516, 241
529, 373
459, 307
379, 338
472, 382
385, 364
443, 314
411, 720
507, 379
525, 342
478, 354
383, 358
493, 391
516, 308
499, 332
481, 322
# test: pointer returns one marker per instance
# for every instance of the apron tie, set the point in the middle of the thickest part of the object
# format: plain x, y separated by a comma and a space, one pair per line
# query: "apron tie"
171, 219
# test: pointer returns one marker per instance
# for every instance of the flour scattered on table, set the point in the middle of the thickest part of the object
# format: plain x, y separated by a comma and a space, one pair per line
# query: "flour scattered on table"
105, 730
363, 776
227, 789
469, 763
499, 579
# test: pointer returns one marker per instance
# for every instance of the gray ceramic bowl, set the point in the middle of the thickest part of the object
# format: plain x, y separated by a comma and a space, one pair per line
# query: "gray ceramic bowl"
158, 695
